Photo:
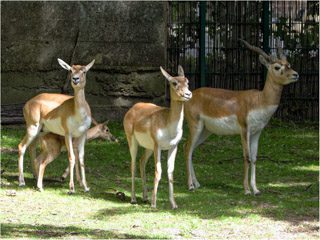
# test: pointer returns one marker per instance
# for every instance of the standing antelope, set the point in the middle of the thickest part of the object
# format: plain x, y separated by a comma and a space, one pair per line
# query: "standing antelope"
52, 145
225, 112
157, 128
60, 114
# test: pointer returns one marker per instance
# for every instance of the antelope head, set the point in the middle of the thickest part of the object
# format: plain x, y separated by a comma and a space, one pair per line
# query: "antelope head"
278, 67
101, 130
179, 86
77, 73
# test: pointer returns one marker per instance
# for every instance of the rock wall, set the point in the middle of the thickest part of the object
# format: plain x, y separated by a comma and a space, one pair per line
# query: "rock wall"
127, 40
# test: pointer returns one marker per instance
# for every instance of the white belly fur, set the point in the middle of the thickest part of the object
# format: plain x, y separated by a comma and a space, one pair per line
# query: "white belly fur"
222, 126
76, 125
54, 126
166, 137
257, 119
144, 139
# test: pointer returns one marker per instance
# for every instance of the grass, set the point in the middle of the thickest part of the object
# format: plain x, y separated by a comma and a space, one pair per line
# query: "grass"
287, 175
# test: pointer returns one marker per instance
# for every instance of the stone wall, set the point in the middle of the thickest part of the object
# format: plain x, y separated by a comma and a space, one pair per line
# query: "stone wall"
127, 40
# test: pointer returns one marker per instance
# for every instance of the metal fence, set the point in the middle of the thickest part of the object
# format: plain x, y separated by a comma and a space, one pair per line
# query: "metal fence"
203, 38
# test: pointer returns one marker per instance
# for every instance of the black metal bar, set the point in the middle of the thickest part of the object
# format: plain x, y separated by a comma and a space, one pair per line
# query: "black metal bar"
265, 30
202, 58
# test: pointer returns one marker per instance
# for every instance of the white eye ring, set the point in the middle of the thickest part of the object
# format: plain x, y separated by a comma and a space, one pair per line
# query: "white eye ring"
277, 67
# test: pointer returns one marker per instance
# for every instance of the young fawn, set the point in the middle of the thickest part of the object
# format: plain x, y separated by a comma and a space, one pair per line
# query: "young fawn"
52, 145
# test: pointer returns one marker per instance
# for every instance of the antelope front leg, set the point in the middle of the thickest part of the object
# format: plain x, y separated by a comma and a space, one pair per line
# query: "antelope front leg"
254, 141
245, 140
82, 141
78, 170
44, 159
194, 134
157, 177
33, 153
68, 140
171, 159
65, 174
197, 135
40, 162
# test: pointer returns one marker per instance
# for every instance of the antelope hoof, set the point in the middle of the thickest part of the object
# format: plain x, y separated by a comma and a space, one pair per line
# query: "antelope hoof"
121, 196
133, 199
154, 206
145, 200
257, 193
22, 184
40, 189
86, 189
193, 187
71, 192
174, 206
62, 178
247, 192
196, 184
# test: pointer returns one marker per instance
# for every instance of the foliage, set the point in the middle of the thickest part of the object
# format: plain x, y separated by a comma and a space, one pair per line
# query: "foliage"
287, 175
300, 35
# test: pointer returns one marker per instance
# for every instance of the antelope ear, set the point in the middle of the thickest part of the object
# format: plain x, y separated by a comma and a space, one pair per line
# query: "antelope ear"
106, 122
165, 74
64, 65
94, 121
180, 71
89, 65
264, 61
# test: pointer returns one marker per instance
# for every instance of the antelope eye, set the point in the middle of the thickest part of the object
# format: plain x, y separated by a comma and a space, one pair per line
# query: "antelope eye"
277, 68
174, 84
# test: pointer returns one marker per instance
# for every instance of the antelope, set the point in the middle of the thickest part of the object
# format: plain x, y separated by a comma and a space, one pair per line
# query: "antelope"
52, 145
63, 115
155, 129
226, 112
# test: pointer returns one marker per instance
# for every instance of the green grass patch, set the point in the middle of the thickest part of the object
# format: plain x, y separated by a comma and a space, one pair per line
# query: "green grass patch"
287, 176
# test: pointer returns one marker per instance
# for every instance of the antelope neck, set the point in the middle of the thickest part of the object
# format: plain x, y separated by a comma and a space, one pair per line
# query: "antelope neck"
79, 98
176, 111
271, 92
91, 134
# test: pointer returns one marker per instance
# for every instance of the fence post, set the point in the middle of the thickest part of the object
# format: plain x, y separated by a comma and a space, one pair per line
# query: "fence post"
202, 58
265, 30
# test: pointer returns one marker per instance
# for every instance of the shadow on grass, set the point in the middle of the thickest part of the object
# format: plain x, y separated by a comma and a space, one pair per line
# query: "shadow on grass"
31, 182
50, 231
284, 199
291, 200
